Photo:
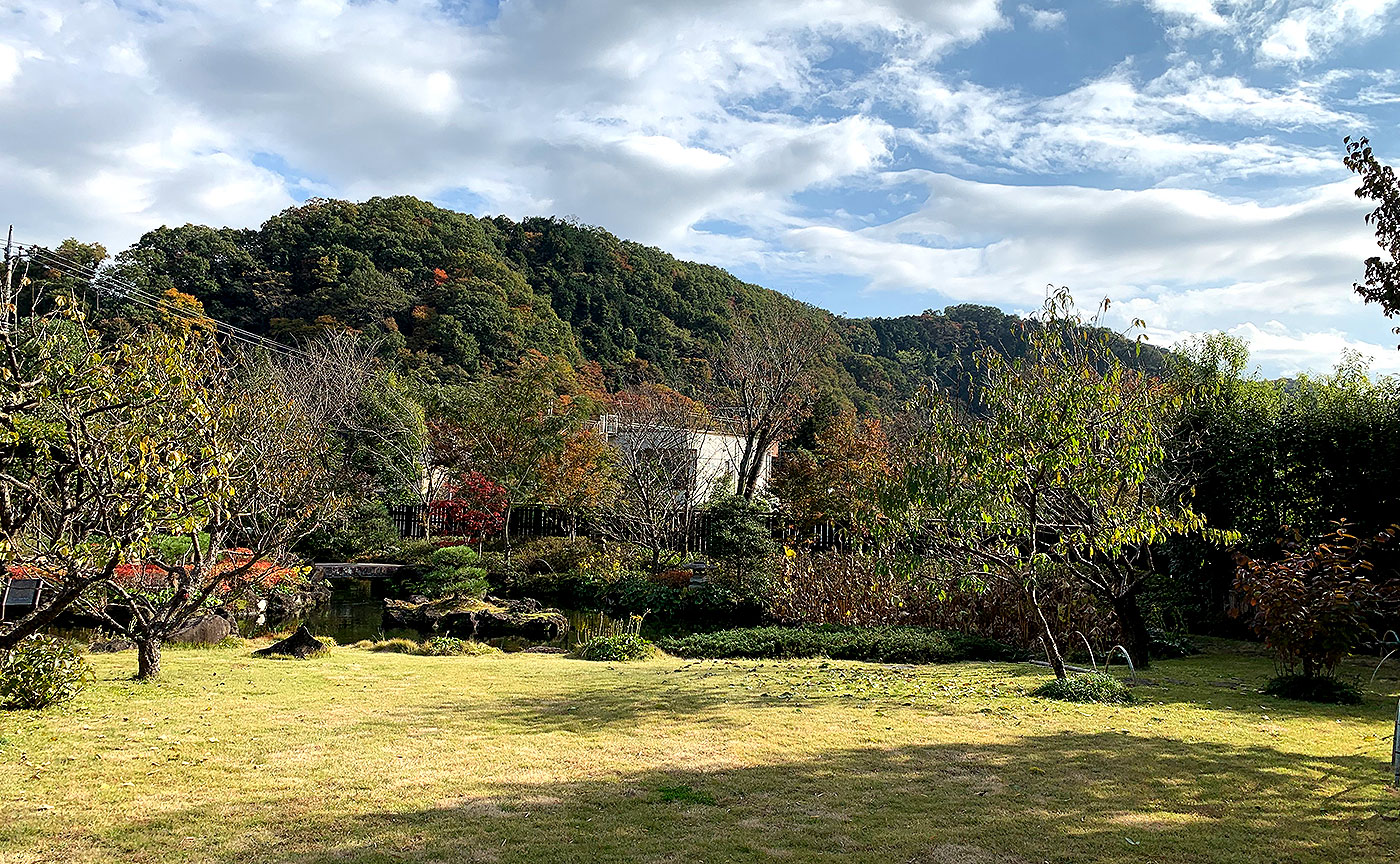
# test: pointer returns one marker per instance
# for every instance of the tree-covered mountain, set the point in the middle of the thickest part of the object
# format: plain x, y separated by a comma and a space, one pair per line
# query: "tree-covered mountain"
456, 296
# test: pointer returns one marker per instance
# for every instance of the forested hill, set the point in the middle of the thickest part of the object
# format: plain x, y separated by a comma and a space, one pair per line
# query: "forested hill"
456, 296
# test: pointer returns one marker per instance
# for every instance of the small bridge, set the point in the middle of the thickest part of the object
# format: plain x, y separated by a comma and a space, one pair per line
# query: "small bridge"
359, 571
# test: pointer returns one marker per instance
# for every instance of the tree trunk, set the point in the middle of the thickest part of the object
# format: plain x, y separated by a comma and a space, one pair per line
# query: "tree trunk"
38, 619
147, 659
505, 533
1130, 621
1052, 648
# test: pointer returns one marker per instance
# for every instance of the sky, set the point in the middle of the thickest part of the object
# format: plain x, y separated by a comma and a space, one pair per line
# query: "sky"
873, 157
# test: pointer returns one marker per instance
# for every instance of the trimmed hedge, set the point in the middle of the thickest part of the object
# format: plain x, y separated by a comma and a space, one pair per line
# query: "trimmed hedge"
874, 644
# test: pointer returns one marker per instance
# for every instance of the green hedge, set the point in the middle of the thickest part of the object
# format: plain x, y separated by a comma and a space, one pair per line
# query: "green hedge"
875, 644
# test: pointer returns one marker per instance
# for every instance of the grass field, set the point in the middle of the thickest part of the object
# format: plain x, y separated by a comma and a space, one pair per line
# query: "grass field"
363, 757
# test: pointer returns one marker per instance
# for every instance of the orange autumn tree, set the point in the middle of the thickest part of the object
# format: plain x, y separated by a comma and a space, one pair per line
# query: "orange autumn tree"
526, 429
841, 479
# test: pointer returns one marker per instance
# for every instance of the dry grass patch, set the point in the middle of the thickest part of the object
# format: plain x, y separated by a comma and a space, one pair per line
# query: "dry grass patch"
372, 757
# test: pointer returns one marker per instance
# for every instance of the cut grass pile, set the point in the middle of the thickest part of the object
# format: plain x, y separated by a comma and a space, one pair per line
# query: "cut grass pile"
1086, 687
873, 644
360, 756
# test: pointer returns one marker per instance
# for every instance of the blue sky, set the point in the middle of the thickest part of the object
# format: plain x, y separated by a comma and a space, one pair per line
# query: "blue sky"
1182, 157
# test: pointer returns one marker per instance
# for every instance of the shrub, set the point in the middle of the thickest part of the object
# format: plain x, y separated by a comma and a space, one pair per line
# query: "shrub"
1316, 603
694, 605
225, 644
395, 646
738, 534
873, 644
1088, 687
619, 647
1163, 645
414, 552
1314, 688
43, 671
553, 555
366, 529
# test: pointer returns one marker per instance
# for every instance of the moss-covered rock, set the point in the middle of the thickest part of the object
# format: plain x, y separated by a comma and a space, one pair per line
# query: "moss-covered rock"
482, 619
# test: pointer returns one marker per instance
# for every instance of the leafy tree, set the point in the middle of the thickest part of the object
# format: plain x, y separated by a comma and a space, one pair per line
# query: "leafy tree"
1271, 457
471, 505
841, 479
1378, 184
218, 267
512, 429
1060, 472
257, 473
96, 452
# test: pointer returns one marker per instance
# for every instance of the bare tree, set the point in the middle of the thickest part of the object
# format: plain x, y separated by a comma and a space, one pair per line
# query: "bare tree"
767, 374
654, 435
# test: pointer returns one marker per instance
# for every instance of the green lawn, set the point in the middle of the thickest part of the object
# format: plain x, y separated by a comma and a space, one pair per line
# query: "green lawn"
369, 757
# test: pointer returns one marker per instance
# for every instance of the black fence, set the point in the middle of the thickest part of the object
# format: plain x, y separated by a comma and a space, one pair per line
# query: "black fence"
527, 522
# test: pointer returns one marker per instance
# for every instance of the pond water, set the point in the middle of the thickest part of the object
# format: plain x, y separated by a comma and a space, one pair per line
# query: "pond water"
355, 611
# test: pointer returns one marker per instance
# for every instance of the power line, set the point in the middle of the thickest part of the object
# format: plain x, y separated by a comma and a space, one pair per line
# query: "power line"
126, 290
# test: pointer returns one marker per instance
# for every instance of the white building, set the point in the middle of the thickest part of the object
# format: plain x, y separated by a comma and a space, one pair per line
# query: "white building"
706, 457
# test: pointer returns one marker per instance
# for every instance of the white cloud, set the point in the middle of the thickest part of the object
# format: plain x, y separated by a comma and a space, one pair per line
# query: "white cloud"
1042, 19
653, 118
1288, 351
1195, 13
1175, 257
9, 64
1312, 31
1137, 129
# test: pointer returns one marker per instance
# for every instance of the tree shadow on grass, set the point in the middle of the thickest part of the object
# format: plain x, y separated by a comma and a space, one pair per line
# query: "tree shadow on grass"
696, 694
1102, 797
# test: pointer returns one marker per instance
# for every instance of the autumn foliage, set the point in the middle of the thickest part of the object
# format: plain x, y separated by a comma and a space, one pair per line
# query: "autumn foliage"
471, 506
1316, 603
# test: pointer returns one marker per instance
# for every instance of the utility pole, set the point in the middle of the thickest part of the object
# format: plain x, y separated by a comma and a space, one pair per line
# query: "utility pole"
9, 279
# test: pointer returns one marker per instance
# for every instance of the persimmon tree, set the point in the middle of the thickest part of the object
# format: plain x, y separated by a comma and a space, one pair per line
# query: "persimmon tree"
1058, 471
94, 452
228, 526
